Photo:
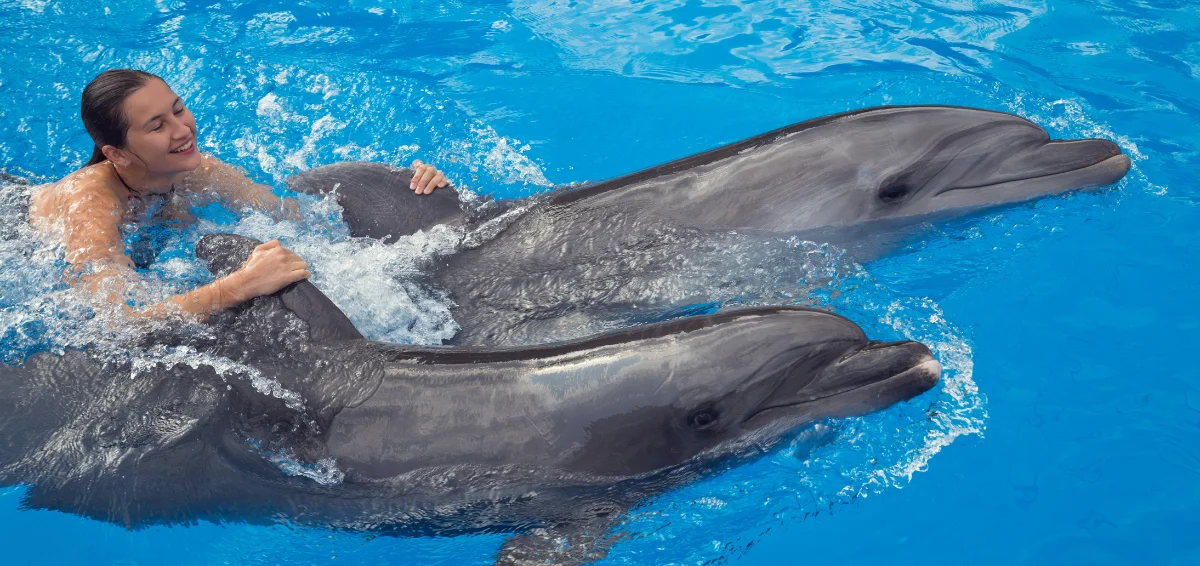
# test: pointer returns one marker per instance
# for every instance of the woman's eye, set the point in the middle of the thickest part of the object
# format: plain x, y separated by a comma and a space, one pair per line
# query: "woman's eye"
180, 111
156, 128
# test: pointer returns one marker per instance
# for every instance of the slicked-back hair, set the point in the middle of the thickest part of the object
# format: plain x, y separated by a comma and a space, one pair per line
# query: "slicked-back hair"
101, 107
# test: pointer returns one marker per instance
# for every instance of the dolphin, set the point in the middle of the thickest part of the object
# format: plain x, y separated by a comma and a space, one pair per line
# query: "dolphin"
581, 259
551, 443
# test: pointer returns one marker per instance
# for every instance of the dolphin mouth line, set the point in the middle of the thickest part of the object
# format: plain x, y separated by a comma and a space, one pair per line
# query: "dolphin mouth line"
930, 370
1099, 165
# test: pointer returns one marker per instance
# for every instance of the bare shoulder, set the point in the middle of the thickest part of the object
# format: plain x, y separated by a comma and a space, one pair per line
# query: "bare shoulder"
211, 170
88, 190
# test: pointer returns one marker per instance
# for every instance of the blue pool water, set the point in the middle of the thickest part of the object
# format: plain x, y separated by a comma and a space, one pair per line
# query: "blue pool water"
1067, 428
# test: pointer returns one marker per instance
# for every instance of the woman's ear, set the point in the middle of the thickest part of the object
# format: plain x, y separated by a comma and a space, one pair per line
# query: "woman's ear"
115, 155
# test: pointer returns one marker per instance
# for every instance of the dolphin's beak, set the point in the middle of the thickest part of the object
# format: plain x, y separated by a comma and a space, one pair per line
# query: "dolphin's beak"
1038, 170
860, 382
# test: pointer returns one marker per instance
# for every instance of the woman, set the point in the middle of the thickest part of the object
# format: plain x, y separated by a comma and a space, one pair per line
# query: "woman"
145, 150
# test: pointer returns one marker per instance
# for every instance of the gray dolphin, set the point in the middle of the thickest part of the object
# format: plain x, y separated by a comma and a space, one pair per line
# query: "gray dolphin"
557, 440
580, 259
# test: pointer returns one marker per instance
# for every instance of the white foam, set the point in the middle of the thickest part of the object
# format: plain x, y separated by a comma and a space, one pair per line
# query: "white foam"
377, 284
149, 360
323, 471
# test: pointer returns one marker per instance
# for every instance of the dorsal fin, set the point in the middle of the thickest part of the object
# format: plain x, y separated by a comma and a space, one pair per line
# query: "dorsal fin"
377, 201
224, 253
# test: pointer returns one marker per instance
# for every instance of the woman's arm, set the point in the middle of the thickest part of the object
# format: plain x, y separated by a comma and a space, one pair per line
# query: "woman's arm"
233, 186
236, 188
96, 253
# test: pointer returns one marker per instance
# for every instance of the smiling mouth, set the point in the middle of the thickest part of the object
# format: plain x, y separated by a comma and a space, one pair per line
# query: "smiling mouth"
185, 147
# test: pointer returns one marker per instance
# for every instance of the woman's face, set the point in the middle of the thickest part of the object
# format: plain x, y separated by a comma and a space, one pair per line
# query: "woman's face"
162, 131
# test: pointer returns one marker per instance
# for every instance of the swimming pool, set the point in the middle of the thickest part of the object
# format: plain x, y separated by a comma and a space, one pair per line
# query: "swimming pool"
1068, 428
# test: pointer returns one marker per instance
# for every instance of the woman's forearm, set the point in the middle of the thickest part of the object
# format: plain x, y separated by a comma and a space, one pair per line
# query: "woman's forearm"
203, 301
269, 268
263, 200
200, 302
289, 209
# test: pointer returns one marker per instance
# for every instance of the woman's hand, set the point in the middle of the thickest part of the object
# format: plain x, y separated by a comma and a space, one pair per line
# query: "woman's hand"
426, 178
269, 268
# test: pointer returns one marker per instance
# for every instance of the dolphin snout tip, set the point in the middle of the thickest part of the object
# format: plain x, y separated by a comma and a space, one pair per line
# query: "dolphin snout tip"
1111, 169
1110, 146
1123, 162
924, 372
911, 367
927, 374
1113, 156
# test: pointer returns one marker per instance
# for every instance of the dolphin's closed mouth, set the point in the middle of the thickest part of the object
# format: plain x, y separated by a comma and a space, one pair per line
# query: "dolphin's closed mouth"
862, 399
1054, 168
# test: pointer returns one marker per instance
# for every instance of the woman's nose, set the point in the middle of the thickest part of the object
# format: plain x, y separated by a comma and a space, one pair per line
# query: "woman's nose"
179, 130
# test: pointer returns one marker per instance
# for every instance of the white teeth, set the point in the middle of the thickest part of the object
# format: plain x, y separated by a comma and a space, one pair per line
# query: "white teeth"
185, 147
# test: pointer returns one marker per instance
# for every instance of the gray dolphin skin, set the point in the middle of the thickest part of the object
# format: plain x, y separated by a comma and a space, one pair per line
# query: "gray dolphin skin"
586, 258
557, 440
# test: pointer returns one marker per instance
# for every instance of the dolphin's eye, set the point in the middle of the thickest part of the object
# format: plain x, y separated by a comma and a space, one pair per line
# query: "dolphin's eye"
701, 420
894, 193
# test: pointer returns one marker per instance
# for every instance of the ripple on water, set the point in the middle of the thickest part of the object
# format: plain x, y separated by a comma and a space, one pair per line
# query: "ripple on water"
748, 42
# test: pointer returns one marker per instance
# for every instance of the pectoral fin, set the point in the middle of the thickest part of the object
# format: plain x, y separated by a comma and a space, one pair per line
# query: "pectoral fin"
583, 540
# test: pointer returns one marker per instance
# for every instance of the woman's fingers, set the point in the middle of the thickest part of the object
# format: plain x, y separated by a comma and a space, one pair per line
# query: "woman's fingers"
426, 175
416, 180
426, 178
418, 168
270, 268
436, 180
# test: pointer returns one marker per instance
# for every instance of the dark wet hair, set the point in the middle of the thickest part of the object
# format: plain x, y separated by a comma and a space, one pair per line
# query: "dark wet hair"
101, 110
